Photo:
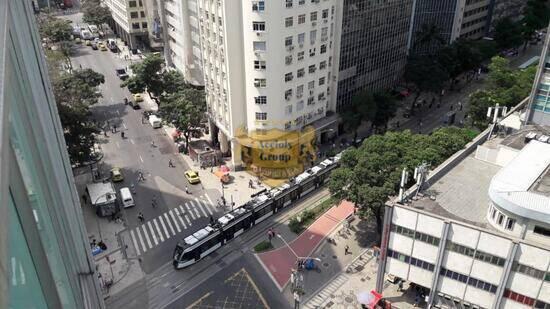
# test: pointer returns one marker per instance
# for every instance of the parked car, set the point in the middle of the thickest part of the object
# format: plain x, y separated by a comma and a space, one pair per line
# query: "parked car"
94, 46
192, 177
134, 105
146, 114
102, 47
116, 174
121, 73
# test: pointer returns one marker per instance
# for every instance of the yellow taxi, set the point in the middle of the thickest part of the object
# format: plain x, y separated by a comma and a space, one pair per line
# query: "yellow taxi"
116, 174
88, 43
102, 46
192, 177
138, 97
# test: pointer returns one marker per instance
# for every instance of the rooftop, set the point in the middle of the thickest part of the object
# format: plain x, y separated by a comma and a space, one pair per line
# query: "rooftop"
504, 168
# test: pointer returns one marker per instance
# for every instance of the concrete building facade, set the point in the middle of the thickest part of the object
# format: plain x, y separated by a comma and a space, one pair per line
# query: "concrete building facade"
132, 21
270, 68
489, 248
373, 49
182, 37
45, 256
538, 111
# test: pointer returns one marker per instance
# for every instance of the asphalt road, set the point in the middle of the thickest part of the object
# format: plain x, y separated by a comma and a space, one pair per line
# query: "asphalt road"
135, 153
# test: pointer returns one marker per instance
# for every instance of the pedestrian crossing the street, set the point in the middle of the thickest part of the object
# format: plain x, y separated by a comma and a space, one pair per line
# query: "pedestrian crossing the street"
167, 225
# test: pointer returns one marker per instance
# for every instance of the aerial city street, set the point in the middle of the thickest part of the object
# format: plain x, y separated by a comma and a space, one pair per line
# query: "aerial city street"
274, 154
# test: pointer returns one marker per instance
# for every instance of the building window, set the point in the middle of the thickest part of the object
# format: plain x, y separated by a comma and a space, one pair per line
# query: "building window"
493, 213
288, 41
288, 59
528, 270
289, 3
313, 16
500, 219
311, 85
321, 81
301, 2
323, 48
300, 56
312, 36
258, 26
288, 94
289, 21
520, 298
261, 116
132, 4
259, 64
323, 65
299, 91
312, 52
260, 99
301, 38
311, 101
541, 231
510, 224
134, 15
260, 82
301, 73
300, 105
259, 46
288, 109
142, 13
135, 25
312, 68
258, 6
324, 14
301, 19
289, 77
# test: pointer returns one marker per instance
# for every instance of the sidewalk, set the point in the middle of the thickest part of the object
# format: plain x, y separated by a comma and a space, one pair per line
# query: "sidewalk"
278, 263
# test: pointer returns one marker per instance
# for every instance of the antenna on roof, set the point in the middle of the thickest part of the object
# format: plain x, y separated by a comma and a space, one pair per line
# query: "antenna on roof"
404, 178
420, 175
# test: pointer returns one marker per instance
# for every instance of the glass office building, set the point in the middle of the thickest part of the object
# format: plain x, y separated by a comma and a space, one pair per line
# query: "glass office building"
45, 261
538, 111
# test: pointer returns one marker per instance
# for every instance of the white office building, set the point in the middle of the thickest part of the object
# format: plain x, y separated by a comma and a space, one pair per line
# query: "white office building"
478, 233
182, 39
269, 66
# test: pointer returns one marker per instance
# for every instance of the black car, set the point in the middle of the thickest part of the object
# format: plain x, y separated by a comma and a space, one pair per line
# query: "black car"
134, 105
94, 46
146, 114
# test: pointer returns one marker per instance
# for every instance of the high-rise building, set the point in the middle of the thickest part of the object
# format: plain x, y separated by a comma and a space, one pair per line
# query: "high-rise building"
451, 19
182, 36
373, 49
136, 22
270, 68
538, 111
45, 258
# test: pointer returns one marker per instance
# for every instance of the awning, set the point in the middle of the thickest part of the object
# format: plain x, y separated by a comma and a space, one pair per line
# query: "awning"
369, 299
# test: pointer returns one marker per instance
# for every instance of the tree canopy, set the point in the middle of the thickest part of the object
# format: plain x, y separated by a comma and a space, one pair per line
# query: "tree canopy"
55, 29
368, 175
96, 14
508, 33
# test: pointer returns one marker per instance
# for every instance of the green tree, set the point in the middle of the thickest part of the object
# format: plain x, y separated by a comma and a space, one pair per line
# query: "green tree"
55, 29
96, 14
185, 110
362, 107
386, 108
368, 175
147, 76
535, 17
172, 82
426, 74
508, 33
429, 38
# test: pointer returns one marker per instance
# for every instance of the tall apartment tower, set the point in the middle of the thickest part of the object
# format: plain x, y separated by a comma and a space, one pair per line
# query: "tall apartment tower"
270, 68
373, 49
538, 110
45, 258
182, 36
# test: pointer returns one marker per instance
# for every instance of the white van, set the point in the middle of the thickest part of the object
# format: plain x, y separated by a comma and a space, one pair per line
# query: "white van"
155, 121
126, 197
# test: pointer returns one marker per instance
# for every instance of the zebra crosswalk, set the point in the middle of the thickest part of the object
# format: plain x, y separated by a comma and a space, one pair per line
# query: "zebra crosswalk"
159, 229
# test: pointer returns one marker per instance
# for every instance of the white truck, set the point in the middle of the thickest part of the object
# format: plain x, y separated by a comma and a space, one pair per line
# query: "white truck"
103, 198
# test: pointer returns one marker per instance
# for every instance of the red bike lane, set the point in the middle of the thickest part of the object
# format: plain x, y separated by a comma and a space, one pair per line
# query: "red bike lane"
279, 262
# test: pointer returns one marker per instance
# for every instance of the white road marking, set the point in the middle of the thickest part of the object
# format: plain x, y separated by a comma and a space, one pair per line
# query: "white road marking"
188, 221
153, 233
180, 216
164, 227
140, 158
124, 125
207, 206
189, 211
158, 230
147, 236
208, 198
117, 145
134, 241
195, 209
200, 206
169, 223
141, 240
132, 141
171, 212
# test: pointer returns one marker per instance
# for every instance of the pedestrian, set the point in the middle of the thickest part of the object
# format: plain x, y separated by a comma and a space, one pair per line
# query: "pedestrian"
153, 144
122, 134
400, 286
269, 236
170, 164
346, 250
140, 217
105, 132
211, 220
186, 190
140, 176
460, 106
250, 183
85, 198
